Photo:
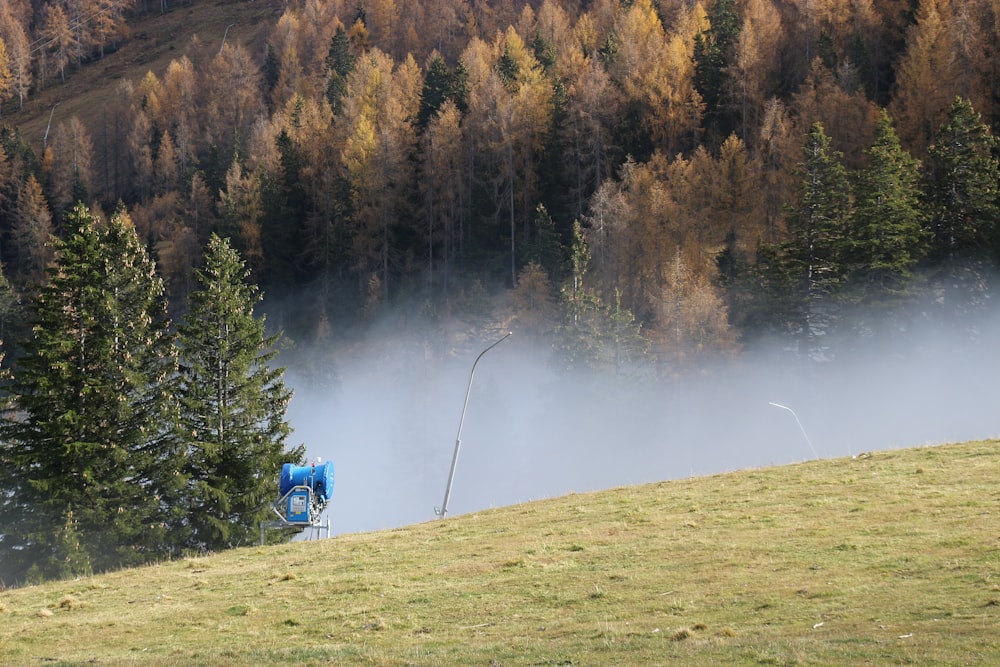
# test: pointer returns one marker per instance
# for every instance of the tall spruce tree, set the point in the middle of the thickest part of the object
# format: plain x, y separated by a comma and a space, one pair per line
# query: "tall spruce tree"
962, 181
887, 237
339, 64
96, 467
807, 271
963, 177
713, 54
232, 406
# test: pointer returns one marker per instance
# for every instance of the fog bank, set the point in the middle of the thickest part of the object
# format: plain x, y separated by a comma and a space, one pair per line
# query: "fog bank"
390, 423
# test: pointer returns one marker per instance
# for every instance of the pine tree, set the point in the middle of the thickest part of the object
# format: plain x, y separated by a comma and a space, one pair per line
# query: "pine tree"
886, 237
962, 184
339, 63
714, 52
232, 406
963, 176
97, 469
808, 269
437, 85
544, 248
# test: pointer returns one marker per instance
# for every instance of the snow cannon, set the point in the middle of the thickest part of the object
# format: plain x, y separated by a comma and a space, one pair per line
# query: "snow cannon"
305, 492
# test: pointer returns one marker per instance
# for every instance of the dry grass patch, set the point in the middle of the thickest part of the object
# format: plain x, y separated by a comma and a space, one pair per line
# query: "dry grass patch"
848, 561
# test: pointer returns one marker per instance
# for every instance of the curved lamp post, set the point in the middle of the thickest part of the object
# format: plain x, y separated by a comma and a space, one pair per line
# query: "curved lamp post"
801, 428
443, 510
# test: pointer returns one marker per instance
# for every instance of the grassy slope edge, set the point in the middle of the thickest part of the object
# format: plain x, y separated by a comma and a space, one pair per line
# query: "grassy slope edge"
884, 558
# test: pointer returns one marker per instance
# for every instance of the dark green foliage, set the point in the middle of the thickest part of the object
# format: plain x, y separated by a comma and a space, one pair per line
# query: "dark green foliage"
270, 70
713, 53
544, 247
96, 466
806, 272
339, 62
440, 85
459, 92
545, 51
886, 232
962, 203
507, 69
608, 51
962, 181
232, 406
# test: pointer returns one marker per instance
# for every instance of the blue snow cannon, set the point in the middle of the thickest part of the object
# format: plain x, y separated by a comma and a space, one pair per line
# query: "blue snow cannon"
305, 492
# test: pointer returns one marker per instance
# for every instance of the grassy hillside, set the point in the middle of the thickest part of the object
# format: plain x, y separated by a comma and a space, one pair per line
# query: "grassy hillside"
884, 558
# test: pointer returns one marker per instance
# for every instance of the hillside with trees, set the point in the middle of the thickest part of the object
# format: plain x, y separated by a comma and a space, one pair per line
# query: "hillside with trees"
736, 167
628, 184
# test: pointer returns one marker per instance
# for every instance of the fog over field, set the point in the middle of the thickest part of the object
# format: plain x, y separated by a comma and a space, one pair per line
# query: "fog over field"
390, 423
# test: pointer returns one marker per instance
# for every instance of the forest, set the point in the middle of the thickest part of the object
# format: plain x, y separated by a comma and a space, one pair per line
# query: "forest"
632, 181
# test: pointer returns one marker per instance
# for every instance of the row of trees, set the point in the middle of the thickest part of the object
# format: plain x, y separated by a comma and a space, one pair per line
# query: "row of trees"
863, 248
125, 441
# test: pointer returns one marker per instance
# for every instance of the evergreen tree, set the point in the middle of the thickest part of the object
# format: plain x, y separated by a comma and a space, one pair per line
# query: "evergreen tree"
96, 470
962, 181
886, 237
436, 90
544, 248
962, 201
807, 270
339, 63
713, 54
270, 71
232, 406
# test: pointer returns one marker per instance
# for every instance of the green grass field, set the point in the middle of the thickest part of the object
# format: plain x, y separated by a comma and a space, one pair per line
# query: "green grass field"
888, 558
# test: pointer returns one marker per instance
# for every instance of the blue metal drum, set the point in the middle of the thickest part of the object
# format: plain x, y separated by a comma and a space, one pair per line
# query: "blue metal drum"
318, 477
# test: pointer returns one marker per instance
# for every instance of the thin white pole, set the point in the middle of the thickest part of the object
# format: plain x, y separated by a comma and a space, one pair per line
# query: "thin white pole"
801, 428
443, 510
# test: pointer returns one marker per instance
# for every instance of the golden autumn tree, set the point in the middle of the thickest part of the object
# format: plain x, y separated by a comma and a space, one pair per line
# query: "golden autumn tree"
593, 108
31, 234
59, 37
926, 77
6, 78
380, 105
443, 196
18, 45
231, 98
779, 151
283, 41
754, 73
508, 116
534, 303
179, 111
69, 160
691, 321
845, 113
240, 209
655, 73
633, 228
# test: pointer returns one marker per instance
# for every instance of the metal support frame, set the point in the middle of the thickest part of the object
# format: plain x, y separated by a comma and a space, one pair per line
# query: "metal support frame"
314, 510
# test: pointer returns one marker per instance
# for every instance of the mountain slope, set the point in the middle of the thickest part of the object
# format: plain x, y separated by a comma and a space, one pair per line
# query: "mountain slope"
194, 28
883, 558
